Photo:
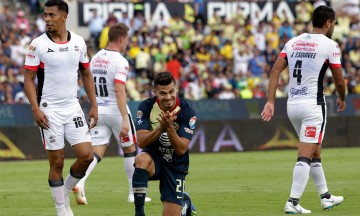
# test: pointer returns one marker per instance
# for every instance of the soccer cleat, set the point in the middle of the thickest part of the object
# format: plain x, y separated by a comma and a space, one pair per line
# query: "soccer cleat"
291, 209
68, 211
79, 194
131, 198
327, 204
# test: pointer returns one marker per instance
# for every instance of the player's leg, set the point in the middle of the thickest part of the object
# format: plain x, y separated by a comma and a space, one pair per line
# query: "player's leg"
327, 200
53, 141
78, 135
100, 136
188, 207
144, 167
306, 130
128, 147
172, 186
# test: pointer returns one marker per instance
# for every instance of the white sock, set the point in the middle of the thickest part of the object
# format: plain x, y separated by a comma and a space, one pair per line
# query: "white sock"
129, 169
69, 184
318, 176
58, 196
88, 171
300, 179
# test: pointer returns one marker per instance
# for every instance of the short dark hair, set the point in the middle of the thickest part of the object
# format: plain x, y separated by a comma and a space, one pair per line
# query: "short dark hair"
117, 30
61, 4
321, 14
163, 79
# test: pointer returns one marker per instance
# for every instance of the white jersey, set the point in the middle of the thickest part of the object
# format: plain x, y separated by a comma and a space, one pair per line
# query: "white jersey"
309, 56
56, 65
108, 67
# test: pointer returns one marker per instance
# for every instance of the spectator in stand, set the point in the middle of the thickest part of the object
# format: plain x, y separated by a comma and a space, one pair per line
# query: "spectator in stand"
96, 25
257, 64
286, 29
22, 22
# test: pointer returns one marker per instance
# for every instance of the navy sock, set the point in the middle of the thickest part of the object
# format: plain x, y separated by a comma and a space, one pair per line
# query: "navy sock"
326, 195
140, 184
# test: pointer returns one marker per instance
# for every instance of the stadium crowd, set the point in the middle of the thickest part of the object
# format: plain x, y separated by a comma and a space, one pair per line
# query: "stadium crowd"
220, 58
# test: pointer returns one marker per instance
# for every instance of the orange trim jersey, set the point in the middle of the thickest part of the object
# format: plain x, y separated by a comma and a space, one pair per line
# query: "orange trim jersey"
108, 67
308, 57
57, 65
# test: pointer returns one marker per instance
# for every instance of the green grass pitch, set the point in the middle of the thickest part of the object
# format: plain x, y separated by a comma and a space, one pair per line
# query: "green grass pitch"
220, 184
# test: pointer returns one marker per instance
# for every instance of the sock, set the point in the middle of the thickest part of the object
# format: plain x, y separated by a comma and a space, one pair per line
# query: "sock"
318, 176
91, 167
129, 159
326, 195
294, 201
70, 182
57, 190
140, 184
300, 177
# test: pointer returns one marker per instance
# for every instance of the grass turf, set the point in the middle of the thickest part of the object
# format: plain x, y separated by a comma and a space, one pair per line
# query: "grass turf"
243, 183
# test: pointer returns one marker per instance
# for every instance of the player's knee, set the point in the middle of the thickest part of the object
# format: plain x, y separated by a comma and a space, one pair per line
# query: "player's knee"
142, 160
57, 164
86, 160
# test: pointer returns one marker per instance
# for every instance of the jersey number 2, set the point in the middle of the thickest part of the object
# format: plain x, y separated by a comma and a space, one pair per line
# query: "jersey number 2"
100, 87
297, 71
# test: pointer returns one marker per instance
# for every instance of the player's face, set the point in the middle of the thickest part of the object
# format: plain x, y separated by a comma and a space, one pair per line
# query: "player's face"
331, 29
54, 19
166, 95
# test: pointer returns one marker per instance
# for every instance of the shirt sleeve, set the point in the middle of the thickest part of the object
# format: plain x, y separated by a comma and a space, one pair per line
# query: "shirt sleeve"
283, 52
32, 59
187, 127
84, 60
143, 117
122, 72
334, 55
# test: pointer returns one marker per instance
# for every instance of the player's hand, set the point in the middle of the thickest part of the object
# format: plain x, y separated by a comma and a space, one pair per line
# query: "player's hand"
41, 119
166, 119
125, 127
93, 117
341, 105
268, 112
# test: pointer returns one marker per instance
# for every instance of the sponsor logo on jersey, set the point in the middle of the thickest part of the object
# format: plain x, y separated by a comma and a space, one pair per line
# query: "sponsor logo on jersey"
188, 130
50, 50
30, 55
336, 54
32, 48
304, 45
139, 114
310, 131
302, 91
63, 49
192, 123
76, 48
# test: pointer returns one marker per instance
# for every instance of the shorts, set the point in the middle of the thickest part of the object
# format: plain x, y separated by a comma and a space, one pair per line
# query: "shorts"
309, 121
69, 123
109, 124
172, 182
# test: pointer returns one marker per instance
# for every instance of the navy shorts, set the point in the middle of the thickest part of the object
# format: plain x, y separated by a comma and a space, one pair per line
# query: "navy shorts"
172, 183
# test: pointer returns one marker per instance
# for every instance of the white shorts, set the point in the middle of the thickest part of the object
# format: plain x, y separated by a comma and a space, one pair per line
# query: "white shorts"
69, 123
309, 121
109, 124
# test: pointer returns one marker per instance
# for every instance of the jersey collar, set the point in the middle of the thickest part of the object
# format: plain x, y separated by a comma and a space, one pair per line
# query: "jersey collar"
177, 103
68, 38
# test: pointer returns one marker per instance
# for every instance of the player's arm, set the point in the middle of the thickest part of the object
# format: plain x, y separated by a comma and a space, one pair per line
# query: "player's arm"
180, 144
146, 137
278, 67
30, 91
121, 102
340, 88
89, 86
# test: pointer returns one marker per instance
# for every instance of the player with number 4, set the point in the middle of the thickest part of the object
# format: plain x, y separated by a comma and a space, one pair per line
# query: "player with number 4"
308, 56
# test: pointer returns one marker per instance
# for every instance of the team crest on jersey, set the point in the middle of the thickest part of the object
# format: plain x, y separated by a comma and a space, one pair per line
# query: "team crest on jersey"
192, 122
139, 114
32, 48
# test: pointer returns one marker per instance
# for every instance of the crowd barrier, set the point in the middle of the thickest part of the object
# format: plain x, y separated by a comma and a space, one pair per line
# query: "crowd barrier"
222, 126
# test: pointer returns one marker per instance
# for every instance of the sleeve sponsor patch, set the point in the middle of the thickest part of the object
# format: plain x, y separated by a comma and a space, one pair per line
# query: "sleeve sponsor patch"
192, 122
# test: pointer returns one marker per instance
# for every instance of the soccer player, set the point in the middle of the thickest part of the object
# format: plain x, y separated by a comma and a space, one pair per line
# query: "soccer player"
110, 70
165, 125
308, 57
55, 58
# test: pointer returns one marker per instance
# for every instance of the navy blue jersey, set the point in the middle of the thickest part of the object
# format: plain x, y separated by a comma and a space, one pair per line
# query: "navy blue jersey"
184, 125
